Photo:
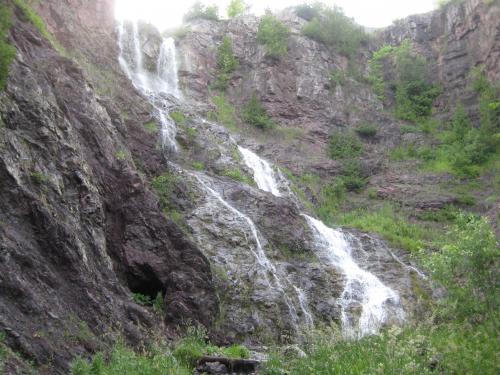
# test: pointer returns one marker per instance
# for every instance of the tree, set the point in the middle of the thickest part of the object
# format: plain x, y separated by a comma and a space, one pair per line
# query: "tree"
236, 8
200, 11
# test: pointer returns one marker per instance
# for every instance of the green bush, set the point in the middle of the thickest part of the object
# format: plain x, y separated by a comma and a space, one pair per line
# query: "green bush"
178, 117
466, 266
344, 145
329, 25
236, 8
226, 64
337, 78
366, 130
352, 176
255, 114
273, 34
306, 11
159, 303
7, 51
200, 11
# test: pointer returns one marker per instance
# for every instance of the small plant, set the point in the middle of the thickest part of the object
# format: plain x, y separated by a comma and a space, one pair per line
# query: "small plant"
367, 131
273, 34
198, 165
151, 127
159, 303
39, 178
178, 117
254, 113
121, 155
337, 78
344, 145
236, 351
200, 11
142, 299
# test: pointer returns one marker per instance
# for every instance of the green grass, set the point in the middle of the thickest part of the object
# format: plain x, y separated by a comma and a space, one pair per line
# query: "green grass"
238, 175
178, 117
225, 113
344, 145
198, 165
254, 113
37, 21
387, 221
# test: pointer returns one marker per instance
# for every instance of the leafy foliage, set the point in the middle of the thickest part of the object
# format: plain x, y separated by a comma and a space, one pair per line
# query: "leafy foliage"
200, 11
226, 64
237, 175
254, 113
466, 267
414, 93
142, 299
344, 145
236, 8
7, 51
273, 34
331, 26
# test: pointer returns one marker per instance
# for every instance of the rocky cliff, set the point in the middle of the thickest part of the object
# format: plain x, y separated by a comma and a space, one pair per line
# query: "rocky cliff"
95, 210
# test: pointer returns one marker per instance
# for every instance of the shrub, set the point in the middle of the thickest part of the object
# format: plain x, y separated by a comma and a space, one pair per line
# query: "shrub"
7, 51
352, 176
329, 25
343, 145
200, 11
273, 34
159, 303
236, 8
151, 127
367, 131
254, 113
466, 267
226, 63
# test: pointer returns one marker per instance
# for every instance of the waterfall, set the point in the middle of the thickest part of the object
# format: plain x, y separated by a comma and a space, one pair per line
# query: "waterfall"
157, 85
363, 291
258, 250
263, 174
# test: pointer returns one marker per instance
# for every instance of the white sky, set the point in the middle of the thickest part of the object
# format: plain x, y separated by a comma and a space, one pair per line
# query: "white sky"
372, 13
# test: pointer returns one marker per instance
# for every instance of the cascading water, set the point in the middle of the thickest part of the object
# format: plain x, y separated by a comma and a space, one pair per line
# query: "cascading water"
363, 291
258, 251
263, 174
156, 86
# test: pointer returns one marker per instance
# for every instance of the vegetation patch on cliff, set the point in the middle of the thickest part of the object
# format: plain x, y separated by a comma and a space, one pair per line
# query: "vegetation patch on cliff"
273, 34
7, 51
329, 25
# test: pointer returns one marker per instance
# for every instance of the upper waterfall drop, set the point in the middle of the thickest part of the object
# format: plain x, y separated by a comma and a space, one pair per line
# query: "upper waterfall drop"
155, 85
263, 173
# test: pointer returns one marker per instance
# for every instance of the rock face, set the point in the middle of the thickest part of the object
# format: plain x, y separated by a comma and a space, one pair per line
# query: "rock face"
80, 229
458, 37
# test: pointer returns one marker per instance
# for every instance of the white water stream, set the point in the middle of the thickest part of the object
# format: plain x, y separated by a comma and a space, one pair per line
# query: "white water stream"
363, 290
156, 85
